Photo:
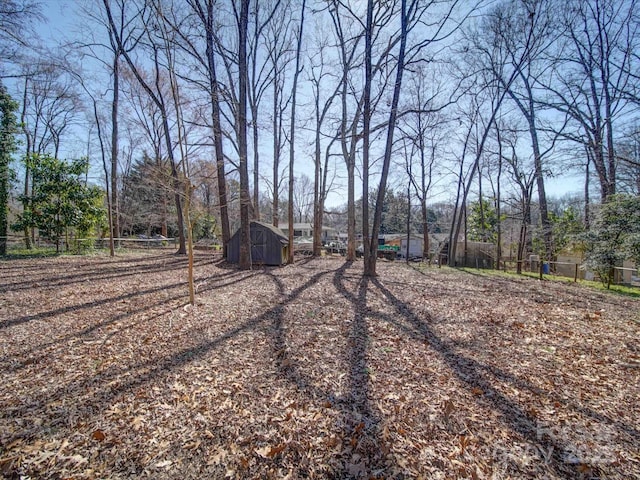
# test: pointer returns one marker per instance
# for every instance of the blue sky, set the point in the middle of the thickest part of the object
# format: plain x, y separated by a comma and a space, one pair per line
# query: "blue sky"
61, 22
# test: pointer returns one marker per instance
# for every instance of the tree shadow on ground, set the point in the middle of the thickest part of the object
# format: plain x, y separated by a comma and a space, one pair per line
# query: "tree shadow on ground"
364, 455
485, 379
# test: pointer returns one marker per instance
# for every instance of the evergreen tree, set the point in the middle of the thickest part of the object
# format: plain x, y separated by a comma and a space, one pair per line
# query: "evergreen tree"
60, 200
483, 222
8, 128
614, 237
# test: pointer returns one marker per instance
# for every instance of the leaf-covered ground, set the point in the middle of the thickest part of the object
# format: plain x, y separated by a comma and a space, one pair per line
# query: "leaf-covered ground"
311, 371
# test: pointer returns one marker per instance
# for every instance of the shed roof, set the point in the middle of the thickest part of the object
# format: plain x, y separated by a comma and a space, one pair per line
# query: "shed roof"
275, 230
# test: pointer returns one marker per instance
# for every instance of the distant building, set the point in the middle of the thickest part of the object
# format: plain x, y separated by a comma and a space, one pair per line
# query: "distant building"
305, 230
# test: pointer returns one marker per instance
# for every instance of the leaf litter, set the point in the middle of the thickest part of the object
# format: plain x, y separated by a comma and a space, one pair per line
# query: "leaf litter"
311, 371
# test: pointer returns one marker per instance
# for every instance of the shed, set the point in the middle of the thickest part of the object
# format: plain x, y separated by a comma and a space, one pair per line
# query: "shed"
269, 245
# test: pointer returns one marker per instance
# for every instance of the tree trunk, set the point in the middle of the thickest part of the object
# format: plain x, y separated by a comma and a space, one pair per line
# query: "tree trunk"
542, 196
370, 243
276, 155
370, 267
317, 208
115, 214
292, 133
217, 129
245, 234
587, 200
498, 205
256, 163
27, 164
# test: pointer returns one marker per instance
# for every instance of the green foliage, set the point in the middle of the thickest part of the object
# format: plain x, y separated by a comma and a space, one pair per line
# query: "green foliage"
60, 202
567, 229
482, 222
205, 225
394, 213
8, 129
614, 237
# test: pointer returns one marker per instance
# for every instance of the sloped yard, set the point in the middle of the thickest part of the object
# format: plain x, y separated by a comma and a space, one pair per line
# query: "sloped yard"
311, 371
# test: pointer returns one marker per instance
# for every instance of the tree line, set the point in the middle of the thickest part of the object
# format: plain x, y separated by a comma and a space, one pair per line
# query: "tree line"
216, 111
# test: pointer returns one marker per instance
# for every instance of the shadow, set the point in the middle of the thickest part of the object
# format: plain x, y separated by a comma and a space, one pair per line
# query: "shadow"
96, 303
483, 378
115, 272
108, 385
208, 284
364, 446
366, 451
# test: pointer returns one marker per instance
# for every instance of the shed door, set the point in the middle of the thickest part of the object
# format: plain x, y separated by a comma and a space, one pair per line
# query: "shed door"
259, 247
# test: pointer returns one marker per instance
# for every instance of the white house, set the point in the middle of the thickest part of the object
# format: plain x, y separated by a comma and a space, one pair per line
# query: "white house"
305, 230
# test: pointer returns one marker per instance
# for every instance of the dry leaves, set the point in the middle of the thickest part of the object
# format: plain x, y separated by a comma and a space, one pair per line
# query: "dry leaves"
310, 371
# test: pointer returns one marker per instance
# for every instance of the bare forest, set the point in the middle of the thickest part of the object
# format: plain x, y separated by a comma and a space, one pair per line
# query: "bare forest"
291, 223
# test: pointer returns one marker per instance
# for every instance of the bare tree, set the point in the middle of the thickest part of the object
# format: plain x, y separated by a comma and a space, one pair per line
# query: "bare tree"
242, 18
411, 15
524, 31
95, 48
319, 73
261, 72
168, 42
303, 198
292, 134
348, 48
16, 34
523, 177
594, 79
49, 105
190, 32
277, 44
154, 91
422, 126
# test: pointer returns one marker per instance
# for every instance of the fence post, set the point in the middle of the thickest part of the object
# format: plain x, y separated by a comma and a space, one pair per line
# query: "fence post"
575, 275
541, 268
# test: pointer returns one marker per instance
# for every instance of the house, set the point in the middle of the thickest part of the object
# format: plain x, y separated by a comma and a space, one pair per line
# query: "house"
269, 245
305, 230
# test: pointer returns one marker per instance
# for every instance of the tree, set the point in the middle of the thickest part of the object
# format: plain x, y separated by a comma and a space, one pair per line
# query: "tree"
482, 222
525, 31
15, 18
278, 49
61, 200
49, 103
523, 176
262, 71
292, 134
8, 130
614, 236
242, 18
421, 128
593, 80
628, 169
567, 226
146, 189
303, 198
128, 41
155, 92
320, 184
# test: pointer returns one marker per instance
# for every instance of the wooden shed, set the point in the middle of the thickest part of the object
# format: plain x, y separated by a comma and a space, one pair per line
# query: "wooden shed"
269, 245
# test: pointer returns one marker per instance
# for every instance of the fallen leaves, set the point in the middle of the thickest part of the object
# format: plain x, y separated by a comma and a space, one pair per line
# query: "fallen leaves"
270, 452
309, 371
